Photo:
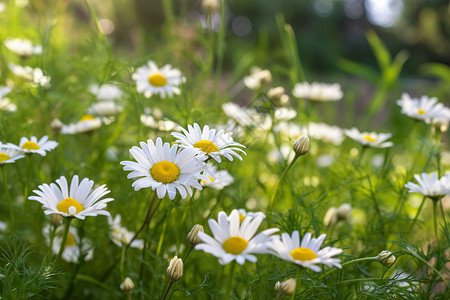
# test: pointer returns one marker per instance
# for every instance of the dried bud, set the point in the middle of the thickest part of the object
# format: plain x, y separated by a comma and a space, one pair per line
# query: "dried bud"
210, 6
301, 145
192, 236
56, 220
175, 269
344, 211
287, 287
127, 285
386, 258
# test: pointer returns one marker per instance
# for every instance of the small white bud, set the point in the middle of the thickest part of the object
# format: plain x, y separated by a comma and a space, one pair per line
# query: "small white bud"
386, 258
331, 217
344, 211
127, 285
175, 269
192, 236
56, 125
287, 287
301, 145
210, 6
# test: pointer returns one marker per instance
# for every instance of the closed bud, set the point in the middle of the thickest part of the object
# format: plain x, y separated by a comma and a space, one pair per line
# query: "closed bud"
175, 269
386, 258
192, 236
56, 220
344, 211
127, 285
287, 287
331, 217
265, 77
210, 6
56, 125
301, 145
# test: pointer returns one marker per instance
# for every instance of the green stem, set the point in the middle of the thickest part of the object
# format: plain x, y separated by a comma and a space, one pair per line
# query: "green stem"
418, 212
435, 221
220, 46
95, 19
163, 232
27, 178
348, 263
146, 220
297, 282
186, 255
168, 13
64, 239
274, 193
167, 289
10, 201
230, 280
122, 260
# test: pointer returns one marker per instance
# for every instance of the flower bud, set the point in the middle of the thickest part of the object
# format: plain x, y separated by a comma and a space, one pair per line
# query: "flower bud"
56, 220
301, 145
287, 287
175, 269
56, 125
192, 236
127, 285
344, 211
210, 6
265, 77
331, 217
386, 258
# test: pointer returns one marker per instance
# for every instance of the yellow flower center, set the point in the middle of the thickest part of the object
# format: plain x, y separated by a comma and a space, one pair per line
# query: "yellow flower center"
29, 145
369, 138
165, 172
241, 218
303, 254
235, 245
210, 178
66, 205
421, 112
87, 118
157, 80
206, 146
70, 240
4, 157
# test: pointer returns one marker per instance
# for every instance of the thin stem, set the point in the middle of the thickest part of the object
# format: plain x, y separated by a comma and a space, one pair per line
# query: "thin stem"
64, 240
95, 19
146, 220
8, 194
167, 289
163, 233
297, 282
435, 221
348, 263
27, 178
186, 255
274, 193
230, 280
220, 46
418, 212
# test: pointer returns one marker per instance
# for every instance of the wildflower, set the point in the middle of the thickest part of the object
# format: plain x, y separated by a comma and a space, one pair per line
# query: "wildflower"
318, 91
234, 240
244, 214
424, 109
35, 75
162, 125
209, 142
40, 147
152, 80
192, 236
105, 92
301, 145
9, 153
247, 117
77, 201
278, 95
22, 47
386, 258
216, 179
4, 90
286, 288
72, 249
317, 131
430, 185
87, 123
104, 108
56, 125
307, 253
258, 78
127, 285
371, 139
165, 168
120, 235
175, 269
284, 114
334, 215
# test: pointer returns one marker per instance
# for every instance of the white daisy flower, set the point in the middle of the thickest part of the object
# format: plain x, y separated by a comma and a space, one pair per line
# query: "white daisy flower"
216, 179
22, 47
317, 131
77, 201
152, 80
9, 153
430, 185
105, 108
307, 253
71, 251
40, 147
4, 90
35, 75
371, 139
5, 103
247, 117
209, 142
284, 114
424, 109
165, 168
258, 78
105, 92
318, 91
244, 214
278, 95
162, 125
120, 235
87, 123
234, 240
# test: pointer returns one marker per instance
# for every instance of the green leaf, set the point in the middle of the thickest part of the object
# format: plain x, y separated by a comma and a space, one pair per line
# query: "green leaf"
381, 53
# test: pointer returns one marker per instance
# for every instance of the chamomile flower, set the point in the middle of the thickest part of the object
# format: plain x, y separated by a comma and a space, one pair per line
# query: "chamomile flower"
234, 240
5, 103
40, 147
318, 91
22, 47
430, 185
72, 249
78, 201
244, 214
258, 78
36, 75
105, 108
216, 179
424, 109
166, 169
307, 253
87, 123
152, 80
120, 235
9, 153
105, 92
371, 139
209, 142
